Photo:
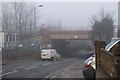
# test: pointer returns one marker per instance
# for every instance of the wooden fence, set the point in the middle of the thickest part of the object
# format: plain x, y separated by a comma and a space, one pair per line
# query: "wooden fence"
108, 61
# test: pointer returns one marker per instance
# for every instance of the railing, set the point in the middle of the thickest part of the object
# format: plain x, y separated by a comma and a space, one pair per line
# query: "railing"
29, 50
108, 61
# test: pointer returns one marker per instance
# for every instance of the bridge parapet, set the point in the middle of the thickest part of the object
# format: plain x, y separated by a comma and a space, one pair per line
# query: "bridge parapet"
45, 36
72, 35
48, 35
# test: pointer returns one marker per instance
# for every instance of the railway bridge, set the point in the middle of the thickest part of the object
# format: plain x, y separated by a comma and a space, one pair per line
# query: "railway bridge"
48, 36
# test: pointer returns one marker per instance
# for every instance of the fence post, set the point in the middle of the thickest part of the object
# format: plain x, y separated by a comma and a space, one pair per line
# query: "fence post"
98, 46
116, 54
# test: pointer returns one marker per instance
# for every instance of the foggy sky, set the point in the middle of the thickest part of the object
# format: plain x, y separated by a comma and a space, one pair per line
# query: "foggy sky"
75, 13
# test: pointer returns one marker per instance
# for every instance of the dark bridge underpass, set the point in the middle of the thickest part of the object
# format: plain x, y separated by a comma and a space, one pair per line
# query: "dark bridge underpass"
70, 48
61, 46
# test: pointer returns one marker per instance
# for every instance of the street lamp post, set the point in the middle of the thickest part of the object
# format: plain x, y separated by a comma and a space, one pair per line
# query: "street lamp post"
40, 5
41, 46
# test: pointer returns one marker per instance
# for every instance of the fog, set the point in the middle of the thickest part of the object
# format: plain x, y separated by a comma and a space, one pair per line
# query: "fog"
72, 15
75, 13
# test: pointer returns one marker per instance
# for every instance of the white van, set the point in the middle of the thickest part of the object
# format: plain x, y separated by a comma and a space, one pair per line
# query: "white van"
48, 54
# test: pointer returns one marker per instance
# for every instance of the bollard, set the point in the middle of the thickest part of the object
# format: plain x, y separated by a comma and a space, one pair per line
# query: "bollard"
55, 57
59, 57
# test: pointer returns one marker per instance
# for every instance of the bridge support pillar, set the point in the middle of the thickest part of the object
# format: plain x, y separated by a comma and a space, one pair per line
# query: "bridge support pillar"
45, 37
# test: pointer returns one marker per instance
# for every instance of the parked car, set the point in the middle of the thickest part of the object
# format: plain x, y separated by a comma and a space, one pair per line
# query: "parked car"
111, 44
88, 62
89, 70
50, 54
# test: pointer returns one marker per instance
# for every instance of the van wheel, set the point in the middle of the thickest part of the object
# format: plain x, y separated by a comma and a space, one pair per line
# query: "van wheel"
52, 59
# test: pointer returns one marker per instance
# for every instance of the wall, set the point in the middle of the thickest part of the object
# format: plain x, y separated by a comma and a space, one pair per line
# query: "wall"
2, 39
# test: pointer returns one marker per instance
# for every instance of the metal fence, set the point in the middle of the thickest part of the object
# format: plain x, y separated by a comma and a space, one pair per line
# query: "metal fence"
24, 49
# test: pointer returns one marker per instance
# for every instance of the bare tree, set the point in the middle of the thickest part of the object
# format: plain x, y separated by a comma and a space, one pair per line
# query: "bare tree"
20, 17
55, 25
4, 17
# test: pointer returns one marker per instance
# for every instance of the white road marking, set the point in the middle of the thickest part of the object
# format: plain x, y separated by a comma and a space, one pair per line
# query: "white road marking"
19, 67
36, 64
58, 71
46, 64
48, 75
68, 67
9, 73
31, 67
71, 66
56, 62
49, 63
24, 66
53, 73
2, 71
53, 76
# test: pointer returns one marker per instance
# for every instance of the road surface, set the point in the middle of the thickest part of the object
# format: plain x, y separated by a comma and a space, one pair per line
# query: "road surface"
39, 69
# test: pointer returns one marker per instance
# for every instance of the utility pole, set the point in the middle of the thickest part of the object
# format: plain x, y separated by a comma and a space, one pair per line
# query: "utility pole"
118, 32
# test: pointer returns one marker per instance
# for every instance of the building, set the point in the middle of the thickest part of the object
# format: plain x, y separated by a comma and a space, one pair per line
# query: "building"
2, 38
8, 39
